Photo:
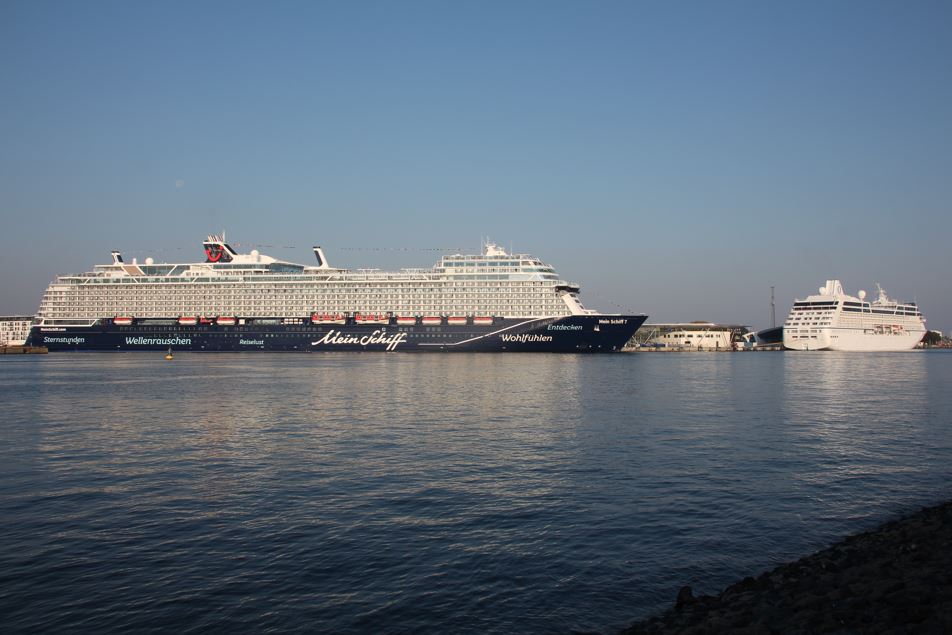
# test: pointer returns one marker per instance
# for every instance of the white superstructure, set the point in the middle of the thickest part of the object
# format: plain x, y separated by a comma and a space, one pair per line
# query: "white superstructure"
493, 283
833, 320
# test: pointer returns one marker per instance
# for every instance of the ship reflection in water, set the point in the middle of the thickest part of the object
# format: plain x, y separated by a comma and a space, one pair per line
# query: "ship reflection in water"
468, 493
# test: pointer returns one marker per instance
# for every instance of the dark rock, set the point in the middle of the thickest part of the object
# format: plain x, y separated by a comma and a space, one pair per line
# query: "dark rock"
685, 597
895, 579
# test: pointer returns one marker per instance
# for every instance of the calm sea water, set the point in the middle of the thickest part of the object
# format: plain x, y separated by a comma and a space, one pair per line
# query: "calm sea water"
441, 493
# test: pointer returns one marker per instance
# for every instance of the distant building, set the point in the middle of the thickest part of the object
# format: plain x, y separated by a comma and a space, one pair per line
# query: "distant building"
14, 329
767, 338
697, 336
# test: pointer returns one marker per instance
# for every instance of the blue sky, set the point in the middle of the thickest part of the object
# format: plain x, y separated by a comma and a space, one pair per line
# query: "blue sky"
676, 158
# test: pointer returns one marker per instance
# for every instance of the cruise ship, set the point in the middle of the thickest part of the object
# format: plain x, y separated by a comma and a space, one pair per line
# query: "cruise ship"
231, 301
835, 321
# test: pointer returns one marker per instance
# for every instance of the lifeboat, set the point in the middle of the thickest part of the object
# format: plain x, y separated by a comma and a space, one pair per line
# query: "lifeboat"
482, 321
225, 321
406, 321
188, 321
430, 320
122, 321
328, 318
456, 320
371, 318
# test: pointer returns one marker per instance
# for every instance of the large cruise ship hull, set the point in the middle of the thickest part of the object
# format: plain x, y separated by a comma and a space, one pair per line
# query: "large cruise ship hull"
854, 340
570, 334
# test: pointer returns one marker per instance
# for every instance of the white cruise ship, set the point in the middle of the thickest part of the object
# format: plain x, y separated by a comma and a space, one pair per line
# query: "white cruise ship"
835, 321
492, 301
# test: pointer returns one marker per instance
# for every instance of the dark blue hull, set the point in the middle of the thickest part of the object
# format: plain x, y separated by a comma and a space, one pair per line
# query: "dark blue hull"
574, 334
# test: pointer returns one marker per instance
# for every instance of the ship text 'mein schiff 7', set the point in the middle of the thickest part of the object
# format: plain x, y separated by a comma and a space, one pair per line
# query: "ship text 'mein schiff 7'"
493, 301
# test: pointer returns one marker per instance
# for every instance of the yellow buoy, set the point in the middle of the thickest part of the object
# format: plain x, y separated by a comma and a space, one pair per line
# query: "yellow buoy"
168, 355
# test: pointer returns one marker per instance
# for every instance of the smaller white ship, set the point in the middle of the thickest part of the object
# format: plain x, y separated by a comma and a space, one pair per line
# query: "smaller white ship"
835, 321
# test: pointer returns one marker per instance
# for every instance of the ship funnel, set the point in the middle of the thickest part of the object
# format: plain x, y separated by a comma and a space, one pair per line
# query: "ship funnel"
493, 250
832, 288
321, 258
116, 258
217, 250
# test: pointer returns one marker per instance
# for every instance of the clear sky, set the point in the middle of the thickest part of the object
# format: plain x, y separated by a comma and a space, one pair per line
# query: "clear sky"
676, 158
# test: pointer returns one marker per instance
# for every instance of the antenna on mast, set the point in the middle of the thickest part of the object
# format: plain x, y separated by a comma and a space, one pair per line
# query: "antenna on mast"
773, 310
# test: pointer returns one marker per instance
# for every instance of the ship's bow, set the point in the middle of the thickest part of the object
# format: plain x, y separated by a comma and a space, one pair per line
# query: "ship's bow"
570, 334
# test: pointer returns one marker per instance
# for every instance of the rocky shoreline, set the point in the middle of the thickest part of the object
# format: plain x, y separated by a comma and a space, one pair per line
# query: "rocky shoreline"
894, 579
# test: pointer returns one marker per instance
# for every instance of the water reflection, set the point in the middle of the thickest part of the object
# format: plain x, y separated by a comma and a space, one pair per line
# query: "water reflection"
402, 492
855, 419
250, 421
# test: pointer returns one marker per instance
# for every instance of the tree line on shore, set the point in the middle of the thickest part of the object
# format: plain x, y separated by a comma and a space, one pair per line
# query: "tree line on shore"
934, 338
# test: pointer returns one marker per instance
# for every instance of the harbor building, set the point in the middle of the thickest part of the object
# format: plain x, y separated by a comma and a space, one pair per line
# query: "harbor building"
14, 329
767, 339
689, 336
